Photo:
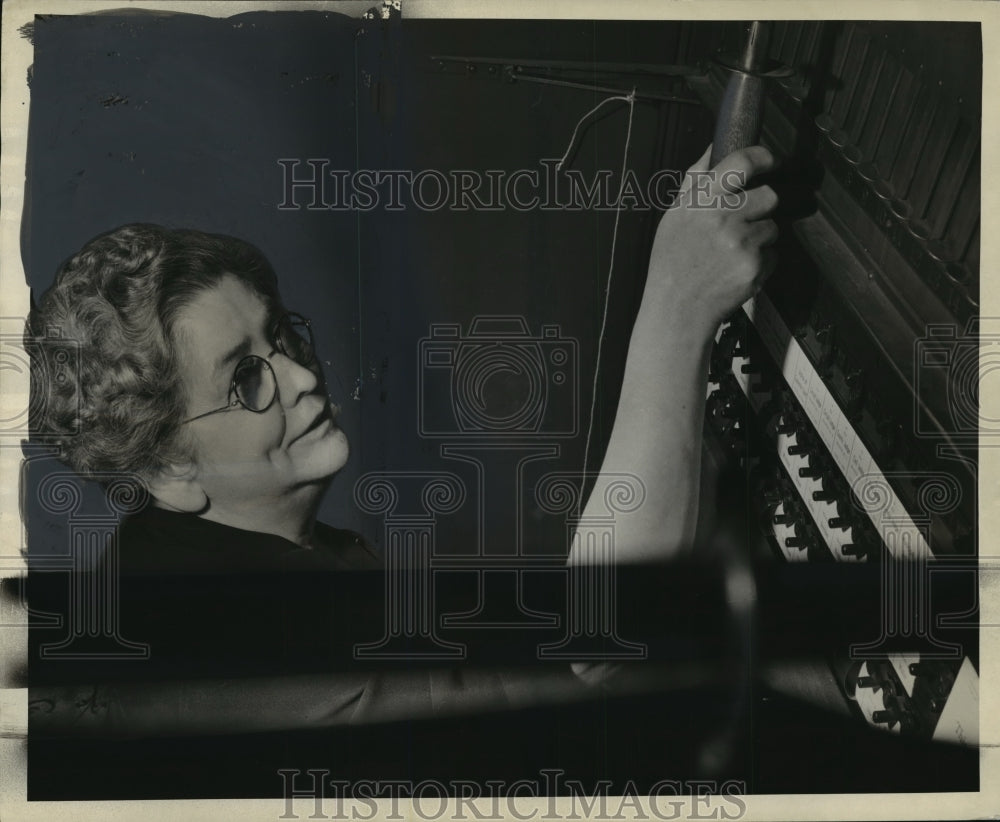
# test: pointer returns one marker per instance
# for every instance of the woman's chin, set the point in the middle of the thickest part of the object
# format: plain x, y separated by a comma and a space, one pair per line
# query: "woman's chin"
318, 459
336, 450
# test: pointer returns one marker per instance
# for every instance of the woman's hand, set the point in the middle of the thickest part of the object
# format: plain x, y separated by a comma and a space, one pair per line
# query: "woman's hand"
708, 255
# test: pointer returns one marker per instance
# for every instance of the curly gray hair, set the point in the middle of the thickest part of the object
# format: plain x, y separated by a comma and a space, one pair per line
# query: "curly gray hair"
117, 300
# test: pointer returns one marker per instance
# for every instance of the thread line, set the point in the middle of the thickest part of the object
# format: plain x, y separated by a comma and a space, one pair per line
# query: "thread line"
630, 99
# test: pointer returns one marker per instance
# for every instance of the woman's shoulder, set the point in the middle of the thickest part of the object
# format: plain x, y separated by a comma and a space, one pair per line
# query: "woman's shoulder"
349, 547
158, 540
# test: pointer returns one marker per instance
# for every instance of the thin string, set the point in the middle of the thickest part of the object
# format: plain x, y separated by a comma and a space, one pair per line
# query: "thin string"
630, 99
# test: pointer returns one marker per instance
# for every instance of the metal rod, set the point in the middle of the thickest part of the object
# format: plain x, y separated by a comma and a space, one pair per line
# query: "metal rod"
531, 78
577, 65
755, 52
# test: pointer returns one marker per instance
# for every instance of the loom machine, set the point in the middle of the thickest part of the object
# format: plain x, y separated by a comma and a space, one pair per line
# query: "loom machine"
842, 408
848, 390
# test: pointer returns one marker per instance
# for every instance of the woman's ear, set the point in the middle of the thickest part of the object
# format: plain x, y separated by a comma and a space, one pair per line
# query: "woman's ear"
176, 486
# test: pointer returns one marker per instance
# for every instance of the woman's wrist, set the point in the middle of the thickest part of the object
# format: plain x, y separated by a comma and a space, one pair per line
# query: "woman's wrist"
688, 324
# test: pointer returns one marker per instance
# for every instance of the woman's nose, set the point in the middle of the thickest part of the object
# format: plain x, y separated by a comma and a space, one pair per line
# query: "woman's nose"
294, 380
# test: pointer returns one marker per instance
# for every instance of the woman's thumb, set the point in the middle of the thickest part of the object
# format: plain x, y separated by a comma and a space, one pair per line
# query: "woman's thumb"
701, 164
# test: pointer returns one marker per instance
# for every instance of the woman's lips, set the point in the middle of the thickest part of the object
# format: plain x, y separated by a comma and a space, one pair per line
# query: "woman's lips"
322, 423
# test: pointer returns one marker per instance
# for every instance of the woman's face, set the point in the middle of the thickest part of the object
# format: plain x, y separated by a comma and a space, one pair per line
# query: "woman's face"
244, 459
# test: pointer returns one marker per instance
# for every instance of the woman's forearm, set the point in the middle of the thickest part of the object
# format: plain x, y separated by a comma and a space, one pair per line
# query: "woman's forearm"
657, 434
707, 259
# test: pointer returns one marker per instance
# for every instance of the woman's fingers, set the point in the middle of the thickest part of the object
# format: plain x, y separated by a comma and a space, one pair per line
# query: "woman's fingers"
768, 262
761, 233
727, 186
735, 171
760, 202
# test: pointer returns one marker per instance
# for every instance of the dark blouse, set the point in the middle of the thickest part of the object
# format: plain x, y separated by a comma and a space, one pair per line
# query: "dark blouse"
215, 601
158, 540
250, 650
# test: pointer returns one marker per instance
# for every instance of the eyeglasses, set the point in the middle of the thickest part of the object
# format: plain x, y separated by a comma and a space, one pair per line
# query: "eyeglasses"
254, 386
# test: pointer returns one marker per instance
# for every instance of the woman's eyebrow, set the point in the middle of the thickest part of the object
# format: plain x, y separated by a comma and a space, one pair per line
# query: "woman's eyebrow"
238, 351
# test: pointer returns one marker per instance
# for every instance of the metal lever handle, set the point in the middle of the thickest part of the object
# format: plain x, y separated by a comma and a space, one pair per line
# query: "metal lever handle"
740, 113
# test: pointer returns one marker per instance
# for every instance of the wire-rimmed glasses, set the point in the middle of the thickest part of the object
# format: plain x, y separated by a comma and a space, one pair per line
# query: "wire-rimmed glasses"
254, 386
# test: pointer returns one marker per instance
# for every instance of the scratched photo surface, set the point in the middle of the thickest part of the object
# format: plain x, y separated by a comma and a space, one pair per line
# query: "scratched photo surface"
459, 215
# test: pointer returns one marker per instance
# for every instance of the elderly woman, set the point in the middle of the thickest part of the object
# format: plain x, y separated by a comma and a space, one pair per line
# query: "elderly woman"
195, 377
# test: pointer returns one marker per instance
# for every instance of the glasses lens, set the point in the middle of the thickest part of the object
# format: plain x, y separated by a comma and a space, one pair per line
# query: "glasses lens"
254, 383
294, 338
